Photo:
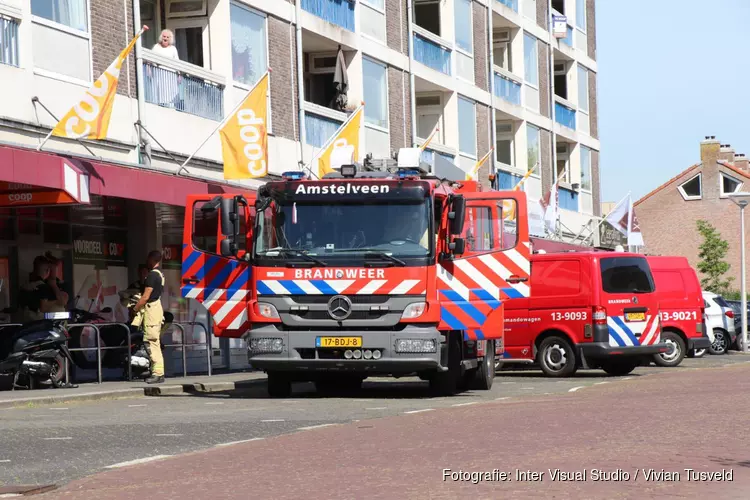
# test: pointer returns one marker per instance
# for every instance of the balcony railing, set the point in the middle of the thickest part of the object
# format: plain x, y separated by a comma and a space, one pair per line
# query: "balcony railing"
430, 52
565, 115
8, 41
338, 12
182, 86
321, 123
568, 40
568, 199
507, 89
428, 156
511, 4
507, 181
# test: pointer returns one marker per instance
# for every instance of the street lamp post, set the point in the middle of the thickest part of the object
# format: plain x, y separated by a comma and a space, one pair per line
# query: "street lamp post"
742, 200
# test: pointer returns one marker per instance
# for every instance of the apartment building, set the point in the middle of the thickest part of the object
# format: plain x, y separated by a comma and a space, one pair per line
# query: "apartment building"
487, 72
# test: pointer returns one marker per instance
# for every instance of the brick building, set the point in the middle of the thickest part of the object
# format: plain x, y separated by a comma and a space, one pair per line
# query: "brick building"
668, 214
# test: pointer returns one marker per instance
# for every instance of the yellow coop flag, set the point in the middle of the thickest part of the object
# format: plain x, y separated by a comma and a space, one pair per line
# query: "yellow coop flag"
347, 135
244, 136
473, 173
89, 118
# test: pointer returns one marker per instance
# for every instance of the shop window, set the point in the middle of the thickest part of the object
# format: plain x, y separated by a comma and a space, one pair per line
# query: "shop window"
7, 224
28, 221
56, 233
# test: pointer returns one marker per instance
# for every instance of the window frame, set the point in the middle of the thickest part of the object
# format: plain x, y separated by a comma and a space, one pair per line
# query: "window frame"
530, 127
582, 12
724, 194
587, 151
506, 136
64, 27
383, 65
377, 7
168, 4
490, 223
456, 24
582, 69
526, 81
432, 109
563, 156
473, 121
688, 197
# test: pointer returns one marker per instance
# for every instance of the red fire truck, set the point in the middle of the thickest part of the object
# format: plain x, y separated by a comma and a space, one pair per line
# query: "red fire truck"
375, 270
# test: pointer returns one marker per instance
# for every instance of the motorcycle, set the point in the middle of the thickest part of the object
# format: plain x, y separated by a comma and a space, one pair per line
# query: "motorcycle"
36, 352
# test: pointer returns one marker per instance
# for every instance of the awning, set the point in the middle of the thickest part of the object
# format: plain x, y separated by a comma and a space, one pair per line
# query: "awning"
49, 170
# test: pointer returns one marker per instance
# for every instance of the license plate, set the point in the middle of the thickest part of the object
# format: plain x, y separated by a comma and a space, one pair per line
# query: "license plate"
641, 316
338, 342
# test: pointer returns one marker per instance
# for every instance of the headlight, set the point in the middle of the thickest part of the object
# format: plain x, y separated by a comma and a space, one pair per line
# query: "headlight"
267, 345
414, 310
267, 310
415, 345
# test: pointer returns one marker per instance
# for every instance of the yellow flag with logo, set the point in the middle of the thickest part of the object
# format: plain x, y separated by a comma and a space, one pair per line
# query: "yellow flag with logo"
348, 135
89, 118
244, 136
473, 173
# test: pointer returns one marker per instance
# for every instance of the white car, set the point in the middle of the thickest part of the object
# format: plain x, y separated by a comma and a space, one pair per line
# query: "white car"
719, 323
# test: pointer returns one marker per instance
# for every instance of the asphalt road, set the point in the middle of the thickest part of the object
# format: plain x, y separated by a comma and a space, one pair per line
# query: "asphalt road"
57, 444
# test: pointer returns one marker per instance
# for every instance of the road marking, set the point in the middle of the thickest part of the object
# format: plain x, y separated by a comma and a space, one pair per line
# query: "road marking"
626, 378
4, 461
136, 406
506, 383
527, 388
419, 411
377, 408
574, 389
600, 383
465, 404
274, 420
58, 408
500, 399
219, 403
314, 427
58, 439
167, 435
137, 461
238, 442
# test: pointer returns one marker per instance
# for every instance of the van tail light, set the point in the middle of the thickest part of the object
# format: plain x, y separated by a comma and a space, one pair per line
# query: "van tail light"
730, 314
600, 316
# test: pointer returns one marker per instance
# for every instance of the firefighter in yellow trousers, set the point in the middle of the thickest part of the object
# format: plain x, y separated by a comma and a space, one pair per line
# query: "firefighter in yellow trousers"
150, 312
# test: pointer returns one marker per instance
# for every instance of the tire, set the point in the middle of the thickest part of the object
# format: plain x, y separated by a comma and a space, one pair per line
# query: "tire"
720, 344
556, 357
279, 385
696, 353
677, 351
447, 383
57, 376
619, 367
485, 374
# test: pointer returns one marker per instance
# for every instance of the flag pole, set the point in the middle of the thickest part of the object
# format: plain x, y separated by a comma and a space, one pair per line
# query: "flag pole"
333, 136
525, 177
480, 162
46, 139
429, 139
221, 124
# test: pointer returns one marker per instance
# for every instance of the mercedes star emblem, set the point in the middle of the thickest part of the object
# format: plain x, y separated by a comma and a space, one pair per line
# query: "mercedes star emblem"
339, 307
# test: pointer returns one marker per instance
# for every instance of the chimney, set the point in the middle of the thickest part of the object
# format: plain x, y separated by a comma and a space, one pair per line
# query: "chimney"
741, 162
710, 148
726, 153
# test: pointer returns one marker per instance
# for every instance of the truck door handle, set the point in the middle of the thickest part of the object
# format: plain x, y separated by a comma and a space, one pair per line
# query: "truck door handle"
192, 280
517, 279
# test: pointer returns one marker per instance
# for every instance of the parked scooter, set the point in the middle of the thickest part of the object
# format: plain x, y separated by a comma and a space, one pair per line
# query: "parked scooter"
35, 352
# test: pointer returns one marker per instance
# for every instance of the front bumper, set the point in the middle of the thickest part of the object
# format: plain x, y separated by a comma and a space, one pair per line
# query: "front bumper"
598, 350
300, 354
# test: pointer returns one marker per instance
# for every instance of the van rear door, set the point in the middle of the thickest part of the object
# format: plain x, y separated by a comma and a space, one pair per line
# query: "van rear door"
629, 299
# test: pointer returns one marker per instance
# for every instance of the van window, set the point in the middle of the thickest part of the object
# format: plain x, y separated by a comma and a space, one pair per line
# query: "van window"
626, 275
553, 278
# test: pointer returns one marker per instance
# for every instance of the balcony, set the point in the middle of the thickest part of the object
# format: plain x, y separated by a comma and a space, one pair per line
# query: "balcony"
511, 4
506, 88
338, 12
321, 123
8, 41
568, 40
182, 86
507, 181
431, 51
428, 156
568, 199
565, 113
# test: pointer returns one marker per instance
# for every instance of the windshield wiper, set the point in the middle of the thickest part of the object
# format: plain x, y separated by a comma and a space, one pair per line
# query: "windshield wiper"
383, 255
297, 252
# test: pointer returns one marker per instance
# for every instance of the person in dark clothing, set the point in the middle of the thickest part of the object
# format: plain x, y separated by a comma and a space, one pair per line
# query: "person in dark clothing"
41, 294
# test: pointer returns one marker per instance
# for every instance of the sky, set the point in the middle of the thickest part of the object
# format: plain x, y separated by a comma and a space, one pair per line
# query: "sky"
670, 72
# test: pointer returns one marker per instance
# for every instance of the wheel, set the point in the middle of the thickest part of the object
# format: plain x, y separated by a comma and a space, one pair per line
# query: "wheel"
696, 353
279, 385
57, 375
485, 374
556, 357
720, 344
447, 383
619, 367
676, 352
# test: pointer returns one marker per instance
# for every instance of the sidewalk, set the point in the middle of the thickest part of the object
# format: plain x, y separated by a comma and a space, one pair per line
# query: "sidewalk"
125, 389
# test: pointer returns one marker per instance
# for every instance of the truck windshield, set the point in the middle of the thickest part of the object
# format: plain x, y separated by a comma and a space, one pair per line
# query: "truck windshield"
346, 233
626, 275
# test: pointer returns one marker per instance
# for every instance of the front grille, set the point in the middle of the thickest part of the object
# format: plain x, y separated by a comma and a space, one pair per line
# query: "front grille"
356, 299
311, 315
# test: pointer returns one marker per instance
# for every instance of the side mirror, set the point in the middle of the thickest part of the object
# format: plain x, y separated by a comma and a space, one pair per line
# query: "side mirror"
228, 248
228, 216
457, 214
458, 246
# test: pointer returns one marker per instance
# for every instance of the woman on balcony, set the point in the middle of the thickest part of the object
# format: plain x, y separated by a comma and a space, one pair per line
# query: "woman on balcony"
166, 82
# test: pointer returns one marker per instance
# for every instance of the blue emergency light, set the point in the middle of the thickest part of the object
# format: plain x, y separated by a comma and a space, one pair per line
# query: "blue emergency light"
408, 173
293, 176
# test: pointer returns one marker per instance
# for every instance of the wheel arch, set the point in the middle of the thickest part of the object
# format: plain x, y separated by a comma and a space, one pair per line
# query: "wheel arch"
552, 332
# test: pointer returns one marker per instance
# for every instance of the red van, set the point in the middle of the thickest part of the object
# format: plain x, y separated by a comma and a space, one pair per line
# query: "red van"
586, 310
681, 308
